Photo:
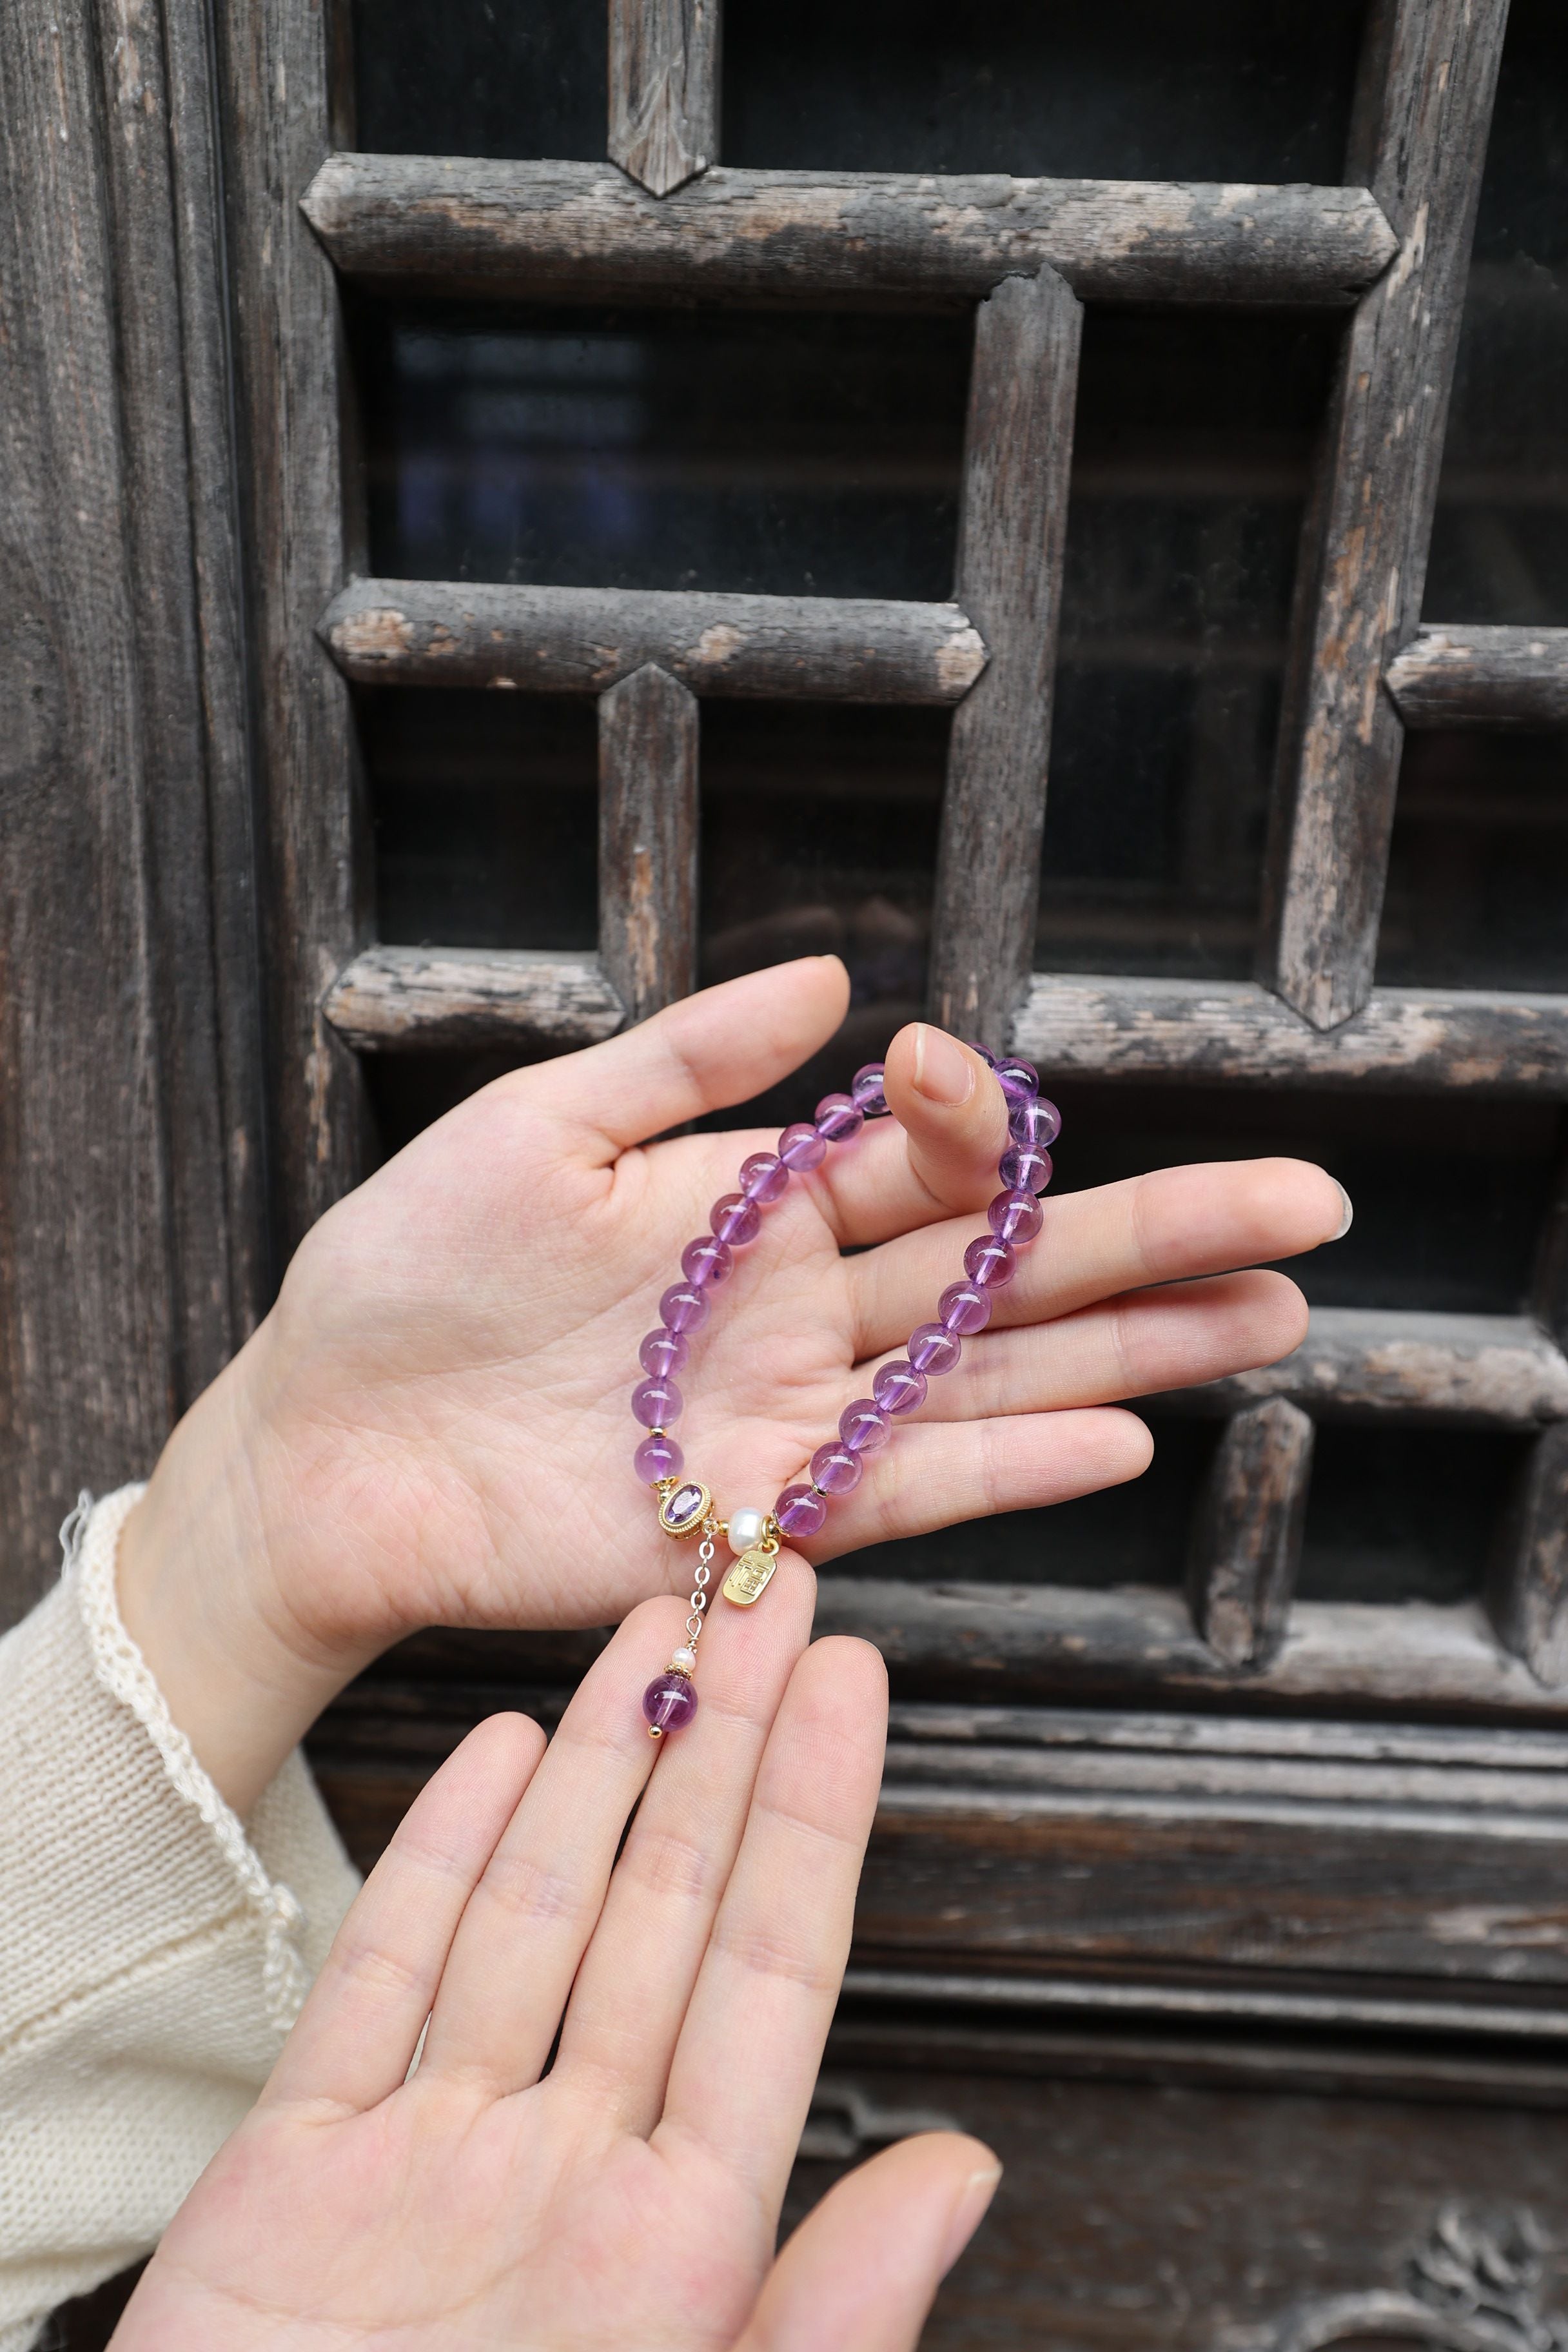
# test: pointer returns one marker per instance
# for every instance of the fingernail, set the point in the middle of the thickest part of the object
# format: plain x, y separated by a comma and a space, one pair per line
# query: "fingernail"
943, 1071
1344, 1224
968, 2212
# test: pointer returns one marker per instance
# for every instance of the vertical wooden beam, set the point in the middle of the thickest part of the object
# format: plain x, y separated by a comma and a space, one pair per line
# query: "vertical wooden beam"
1247, 1539
130, 1149
647, 839
1528, 1585
274, 96
664, 90
1424, 107
182, 540
1012, 535
1528, 1590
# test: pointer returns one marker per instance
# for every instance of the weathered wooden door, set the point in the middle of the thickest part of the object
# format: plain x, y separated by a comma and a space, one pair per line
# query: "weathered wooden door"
522, 564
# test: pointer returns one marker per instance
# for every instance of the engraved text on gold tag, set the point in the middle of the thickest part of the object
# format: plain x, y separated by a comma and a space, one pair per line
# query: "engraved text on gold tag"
750, 1574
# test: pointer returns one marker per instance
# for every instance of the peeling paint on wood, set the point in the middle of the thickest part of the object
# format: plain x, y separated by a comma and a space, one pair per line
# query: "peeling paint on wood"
419, 1000
1436, 1040
584, 640
1453, 676
532, 228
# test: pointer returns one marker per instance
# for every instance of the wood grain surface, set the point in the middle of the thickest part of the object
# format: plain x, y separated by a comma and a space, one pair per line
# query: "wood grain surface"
648, 818
1453, 676
1246, 1536
584, 640
275, 106
664, 90
578, 230
421, 1000
130, 1232
1017, 458
1434, 1040
1423, 110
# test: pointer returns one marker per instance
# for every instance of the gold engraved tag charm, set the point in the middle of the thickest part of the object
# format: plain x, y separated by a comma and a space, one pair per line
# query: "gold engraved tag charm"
748, 1578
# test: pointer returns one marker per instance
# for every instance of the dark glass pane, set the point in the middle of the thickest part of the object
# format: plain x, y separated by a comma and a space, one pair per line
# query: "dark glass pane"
1135, 1534
1402, 1514
1195, 435
1478, 881
485, 813
481, 77
819, 832
1449, 1197
784, 453
1499, 550
1236, 89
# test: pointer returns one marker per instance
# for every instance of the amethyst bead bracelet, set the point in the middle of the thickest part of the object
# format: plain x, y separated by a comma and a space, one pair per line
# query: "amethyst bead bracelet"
933, 1349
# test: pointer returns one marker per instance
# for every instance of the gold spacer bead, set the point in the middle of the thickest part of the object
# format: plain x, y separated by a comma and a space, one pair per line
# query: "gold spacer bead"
655, 1731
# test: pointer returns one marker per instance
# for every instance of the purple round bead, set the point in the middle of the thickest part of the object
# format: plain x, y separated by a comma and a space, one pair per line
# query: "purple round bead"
663, 1352
985, 1052
658, 1457
836, 1469
801, 1147
657, 1402
669, 1701
1017, 1081
965, 1306
706, 1261
800, 1511
933, 1351
1016, 1216
868, 1089
763, 1176
684, 1307
898, 1387
1023, 1170
1034, 1123
735, 1219
837, 1118
864, 1426
990, 1264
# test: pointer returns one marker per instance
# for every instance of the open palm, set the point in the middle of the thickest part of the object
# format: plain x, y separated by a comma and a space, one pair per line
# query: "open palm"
630, 2196
443, 1385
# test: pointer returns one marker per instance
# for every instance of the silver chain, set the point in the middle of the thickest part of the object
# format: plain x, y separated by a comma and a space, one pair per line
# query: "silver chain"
705, 1551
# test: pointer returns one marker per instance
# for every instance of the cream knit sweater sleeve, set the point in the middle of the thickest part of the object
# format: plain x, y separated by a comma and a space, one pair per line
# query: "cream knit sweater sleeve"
154, 1950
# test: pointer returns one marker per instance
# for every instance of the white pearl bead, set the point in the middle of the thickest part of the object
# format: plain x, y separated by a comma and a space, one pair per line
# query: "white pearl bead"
746, 1526
683, 1662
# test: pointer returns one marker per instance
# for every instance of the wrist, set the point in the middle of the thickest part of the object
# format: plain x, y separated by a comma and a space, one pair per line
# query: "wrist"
200, 1596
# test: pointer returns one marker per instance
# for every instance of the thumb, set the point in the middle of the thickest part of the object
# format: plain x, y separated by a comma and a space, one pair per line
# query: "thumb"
860, 2274
952, 1111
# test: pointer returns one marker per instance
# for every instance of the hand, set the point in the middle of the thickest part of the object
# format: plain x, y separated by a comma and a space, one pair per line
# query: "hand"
631, 2196
432, 1425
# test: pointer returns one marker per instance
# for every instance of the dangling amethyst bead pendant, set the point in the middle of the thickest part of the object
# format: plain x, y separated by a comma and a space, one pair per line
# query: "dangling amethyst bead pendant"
669, 1702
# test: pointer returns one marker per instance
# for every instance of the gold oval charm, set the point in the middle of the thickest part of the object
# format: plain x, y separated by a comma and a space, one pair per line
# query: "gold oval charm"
749, 1577
682, 1511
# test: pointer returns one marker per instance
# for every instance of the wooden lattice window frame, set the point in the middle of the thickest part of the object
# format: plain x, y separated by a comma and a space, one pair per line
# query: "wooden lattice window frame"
666, 222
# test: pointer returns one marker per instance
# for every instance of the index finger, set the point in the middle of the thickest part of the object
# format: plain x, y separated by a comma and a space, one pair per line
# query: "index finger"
1170, 1226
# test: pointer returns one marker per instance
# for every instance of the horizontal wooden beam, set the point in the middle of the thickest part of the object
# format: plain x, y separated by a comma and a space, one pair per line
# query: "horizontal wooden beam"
1365, 1363
1137, 1643
421, 1000
1456, 677
585, 640
1430, 1039
582, 231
